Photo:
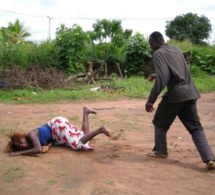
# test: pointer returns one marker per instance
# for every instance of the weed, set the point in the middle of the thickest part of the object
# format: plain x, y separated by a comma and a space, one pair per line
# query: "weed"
13, 168
174, 136
75, 118
61, 174
109, 182
2, 131
12, 177
52, 182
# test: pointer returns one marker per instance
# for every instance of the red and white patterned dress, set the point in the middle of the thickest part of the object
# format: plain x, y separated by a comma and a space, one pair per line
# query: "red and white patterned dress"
64, 133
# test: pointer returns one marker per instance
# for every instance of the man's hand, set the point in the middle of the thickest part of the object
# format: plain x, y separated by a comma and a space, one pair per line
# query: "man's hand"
151, 77
149, 107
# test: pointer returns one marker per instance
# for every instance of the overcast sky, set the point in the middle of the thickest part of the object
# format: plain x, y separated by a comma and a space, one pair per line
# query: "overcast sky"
144, 16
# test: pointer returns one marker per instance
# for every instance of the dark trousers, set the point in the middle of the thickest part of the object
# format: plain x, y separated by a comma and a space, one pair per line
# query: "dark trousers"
187, 113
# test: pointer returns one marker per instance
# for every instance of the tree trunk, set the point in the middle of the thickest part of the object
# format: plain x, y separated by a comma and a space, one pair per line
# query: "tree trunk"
119, 69
89, 67
106, 71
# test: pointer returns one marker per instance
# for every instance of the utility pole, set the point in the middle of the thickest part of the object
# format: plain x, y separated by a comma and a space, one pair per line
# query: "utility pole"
49, 28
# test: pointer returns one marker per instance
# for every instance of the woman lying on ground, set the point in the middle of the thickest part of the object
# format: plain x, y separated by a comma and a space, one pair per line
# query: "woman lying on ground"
57, 131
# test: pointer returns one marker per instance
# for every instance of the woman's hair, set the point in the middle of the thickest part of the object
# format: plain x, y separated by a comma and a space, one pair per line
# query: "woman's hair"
14, 137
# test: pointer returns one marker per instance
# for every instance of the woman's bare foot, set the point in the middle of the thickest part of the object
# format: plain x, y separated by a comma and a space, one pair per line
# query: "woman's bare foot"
104, 130
88, 111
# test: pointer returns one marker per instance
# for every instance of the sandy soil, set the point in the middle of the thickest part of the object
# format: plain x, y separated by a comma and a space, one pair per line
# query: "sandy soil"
117, 165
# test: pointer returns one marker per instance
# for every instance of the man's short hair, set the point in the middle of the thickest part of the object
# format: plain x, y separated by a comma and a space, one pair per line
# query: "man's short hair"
157, 36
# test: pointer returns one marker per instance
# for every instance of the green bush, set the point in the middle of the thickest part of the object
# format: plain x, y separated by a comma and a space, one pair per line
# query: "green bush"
27, 54
204, 58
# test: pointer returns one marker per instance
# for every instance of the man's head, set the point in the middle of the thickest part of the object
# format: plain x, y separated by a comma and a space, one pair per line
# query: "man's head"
156, 40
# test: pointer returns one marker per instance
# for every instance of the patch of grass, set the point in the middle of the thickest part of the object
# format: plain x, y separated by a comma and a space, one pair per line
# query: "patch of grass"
104, 122
61, 174
205, 83
130, 126
74, 118
13, 174
135, 87
2, 131
123, 137
175, 137
121, 116
109, 182
212, 145
62, 190
183, 45
12, 177
13, 168
52, 182
108, 143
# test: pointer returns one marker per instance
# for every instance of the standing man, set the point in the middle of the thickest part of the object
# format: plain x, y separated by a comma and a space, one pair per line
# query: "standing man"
179, 100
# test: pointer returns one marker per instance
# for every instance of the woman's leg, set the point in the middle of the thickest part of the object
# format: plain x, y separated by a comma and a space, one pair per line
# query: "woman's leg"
85, 122
92, 134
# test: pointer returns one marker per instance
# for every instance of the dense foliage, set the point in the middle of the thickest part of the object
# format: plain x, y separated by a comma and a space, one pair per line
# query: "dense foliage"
137, 52
107, 43
189, 26
109, 40
27, 55
205, 59
70, 46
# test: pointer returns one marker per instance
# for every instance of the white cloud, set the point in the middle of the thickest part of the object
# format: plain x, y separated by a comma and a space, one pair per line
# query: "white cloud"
142, 16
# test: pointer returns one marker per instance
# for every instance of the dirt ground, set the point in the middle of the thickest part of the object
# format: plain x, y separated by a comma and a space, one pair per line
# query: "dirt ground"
117, 165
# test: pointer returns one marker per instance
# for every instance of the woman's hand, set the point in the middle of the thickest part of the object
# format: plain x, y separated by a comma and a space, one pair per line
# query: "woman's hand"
44, 149
11, 154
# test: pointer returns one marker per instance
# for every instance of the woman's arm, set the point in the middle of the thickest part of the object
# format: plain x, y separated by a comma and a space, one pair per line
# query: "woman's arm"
36, 149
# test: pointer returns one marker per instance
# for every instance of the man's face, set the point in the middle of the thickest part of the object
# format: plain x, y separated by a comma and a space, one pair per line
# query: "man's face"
154, 45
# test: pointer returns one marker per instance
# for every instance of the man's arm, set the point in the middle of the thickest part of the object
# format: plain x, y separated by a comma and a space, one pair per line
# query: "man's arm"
162, 77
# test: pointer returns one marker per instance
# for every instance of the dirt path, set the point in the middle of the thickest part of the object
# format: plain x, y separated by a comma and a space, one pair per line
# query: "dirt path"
116, 166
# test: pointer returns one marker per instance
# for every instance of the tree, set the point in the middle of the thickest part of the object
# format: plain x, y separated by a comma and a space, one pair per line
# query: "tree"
110, 31
71, 46
109, 40
137, 52
15, 32
189, 26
